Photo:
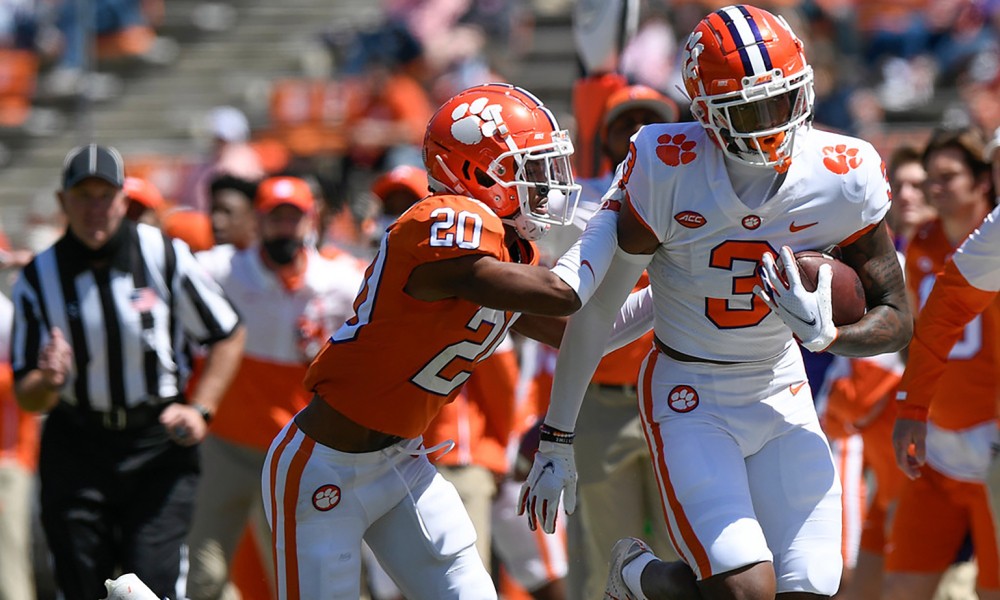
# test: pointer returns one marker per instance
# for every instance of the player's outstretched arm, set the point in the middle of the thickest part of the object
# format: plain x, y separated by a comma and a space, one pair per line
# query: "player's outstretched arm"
888, 324
489, 282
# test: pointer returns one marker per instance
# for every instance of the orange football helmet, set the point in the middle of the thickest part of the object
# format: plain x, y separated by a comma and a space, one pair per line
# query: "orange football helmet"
749, 83
498, 144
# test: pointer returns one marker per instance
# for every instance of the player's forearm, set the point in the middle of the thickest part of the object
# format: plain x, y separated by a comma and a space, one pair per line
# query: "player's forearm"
883, 329
530, 290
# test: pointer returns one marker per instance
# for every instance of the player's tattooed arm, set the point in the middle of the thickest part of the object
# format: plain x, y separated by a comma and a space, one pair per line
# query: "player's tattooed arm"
888, 325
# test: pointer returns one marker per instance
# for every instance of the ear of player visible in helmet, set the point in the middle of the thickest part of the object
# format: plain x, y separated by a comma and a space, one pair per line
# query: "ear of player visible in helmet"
749, 83
498, 143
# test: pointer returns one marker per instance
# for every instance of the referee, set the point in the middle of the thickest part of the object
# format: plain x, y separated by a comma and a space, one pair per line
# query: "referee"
101, 323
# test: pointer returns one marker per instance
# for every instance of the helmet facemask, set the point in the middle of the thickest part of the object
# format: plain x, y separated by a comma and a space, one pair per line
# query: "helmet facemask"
542, 179
756, 125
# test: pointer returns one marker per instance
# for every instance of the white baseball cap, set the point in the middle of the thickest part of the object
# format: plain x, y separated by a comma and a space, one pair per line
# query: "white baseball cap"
228, 123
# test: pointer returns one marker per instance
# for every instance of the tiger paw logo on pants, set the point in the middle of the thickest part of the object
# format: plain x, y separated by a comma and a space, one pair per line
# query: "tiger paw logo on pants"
326, 497
675, 150
840, 159
476, 120
683, 399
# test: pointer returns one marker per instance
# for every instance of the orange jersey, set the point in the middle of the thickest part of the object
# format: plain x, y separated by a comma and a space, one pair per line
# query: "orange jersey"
965, 379
398, 360
481, 418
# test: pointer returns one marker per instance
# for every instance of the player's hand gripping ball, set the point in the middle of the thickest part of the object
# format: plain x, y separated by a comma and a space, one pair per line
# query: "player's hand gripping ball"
846, 292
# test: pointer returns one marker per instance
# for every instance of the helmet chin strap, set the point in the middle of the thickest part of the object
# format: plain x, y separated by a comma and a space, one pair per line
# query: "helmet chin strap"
526, 228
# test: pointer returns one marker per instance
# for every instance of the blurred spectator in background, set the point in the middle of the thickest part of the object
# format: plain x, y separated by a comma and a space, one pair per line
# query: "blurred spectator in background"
144, 201
230, 153
946, 499
120, 27
292, 299
234, 222
397, 190
910, 209
18, 461
388, 126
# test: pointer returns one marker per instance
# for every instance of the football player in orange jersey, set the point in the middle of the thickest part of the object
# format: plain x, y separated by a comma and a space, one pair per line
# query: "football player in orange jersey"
449, 279
946, 424
744, 472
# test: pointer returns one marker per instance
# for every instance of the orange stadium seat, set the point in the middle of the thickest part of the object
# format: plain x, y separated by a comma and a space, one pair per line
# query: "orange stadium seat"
167, 172
18, 76
130, 41
311, 116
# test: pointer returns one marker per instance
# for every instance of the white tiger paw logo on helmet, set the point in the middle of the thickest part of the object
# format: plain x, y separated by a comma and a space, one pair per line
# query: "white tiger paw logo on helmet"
476, 120
683, 398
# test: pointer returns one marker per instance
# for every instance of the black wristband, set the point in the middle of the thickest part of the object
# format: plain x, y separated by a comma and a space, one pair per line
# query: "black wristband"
204, 412
551, 434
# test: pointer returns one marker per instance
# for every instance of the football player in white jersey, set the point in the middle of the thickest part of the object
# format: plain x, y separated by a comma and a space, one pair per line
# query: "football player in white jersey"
745, 473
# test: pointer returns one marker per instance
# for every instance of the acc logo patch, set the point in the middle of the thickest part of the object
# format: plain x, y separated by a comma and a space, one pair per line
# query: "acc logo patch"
683, 399
751, 221
326, 497
840, 159
690, 219
476, 120
675, 150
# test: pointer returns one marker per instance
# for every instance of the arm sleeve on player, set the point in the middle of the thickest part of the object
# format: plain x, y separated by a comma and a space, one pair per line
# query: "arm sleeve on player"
951, 305
587, 335
978, 258
584, 265
635, 318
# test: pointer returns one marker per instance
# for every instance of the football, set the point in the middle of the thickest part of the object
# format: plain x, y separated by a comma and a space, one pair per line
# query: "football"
847, 293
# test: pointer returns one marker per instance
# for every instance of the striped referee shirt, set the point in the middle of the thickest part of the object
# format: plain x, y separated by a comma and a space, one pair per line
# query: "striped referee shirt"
126, 322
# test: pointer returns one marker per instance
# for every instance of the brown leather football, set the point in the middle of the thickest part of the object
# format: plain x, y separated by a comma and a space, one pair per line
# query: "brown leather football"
847, 293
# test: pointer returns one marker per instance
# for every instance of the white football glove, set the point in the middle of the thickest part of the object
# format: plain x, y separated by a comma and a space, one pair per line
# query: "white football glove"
552, 475
808, 314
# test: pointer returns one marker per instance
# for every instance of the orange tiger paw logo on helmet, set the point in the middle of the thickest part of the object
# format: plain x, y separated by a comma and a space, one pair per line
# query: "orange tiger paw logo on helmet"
840, 159
675, 150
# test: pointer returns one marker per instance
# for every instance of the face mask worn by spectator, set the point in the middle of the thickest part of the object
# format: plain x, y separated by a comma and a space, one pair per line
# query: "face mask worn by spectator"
282, 250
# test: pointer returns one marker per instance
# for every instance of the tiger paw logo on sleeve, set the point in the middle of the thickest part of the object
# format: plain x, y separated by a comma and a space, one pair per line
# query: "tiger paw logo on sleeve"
840, 159
675, 150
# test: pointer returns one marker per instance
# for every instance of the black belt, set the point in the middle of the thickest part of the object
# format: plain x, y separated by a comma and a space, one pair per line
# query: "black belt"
120, 419
620, 388
680, 356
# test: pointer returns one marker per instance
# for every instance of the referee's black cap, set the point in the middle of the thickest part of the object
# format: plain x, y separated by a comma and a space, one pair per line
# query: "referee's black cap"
93, 160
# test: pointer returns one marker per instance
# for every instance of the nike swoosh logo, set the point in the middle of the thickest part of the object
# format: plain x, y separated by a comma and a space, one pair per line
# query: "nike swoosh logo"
810, 322
586, 263
793, 227
795, 387
549, 467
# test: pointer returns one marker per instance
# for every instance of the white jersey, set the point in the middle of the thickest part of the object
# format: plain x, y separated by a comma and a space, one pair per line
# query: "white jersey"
703, 273
282, 319
978, 258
